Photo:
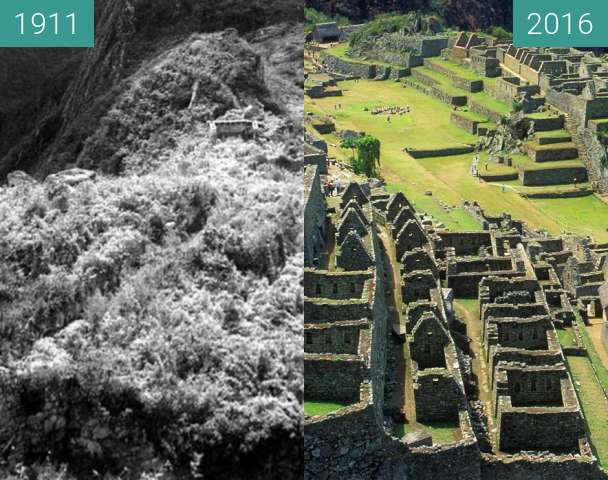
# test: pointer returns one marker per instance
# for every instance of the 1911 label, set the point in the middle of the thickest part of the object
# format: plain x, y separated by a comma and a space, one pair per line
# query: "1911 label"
47, 23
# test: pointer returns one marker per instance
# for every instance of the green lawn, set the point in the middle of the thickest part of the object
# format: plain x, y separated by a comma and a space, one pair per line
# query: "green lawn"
566, 337
594, 358
553, 134
594, 405
472, 116
321, 408
448, 178
470, 304
442, 432
482, 98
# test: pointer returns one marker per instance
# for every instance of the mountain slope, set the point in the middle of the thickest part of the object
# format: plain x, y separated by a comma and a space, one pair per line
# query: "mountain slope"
465, 14
152, 317
128, 34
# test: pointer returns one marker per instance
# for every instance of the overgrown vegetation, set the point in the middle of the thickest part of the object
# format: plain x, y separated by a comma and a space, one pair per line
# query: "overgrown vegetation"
385, 23
500, 33
151, 321
368, 156
312, 17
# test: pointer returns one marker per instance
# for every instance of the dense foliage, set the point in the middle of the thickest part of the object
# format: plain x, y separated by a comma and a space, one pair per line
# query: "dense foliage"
385, 23
462, 14
312, 17
152, 321
500, 34
367, 159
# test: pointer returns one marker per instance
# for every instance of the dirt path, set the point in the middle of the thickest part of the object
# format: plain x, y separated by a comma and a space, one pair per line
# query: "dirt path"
398, 398
479, 365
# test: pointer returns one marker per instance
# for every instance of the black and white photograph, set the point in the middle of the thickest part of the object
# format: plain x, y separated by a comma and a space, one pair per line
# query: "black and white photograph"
151, 246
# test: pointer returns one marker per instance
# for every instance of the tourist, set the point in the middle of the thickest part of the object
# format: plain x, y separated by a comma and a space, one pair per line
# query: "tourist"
337, 185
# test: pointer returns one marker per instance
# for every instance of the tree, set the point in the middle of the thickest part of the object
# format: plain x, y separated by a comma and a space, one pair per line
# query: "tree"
368, 156
350, 143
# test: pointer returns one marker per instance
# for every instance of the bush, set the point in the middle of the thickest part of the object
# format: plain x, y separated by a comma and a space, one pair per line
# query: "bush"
500, 34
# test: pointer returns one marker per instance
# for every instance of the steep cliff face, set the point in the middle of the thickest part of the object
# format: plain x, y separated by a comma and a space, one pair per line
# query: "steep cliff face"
466, 14
361, 10
478, 14
85, 83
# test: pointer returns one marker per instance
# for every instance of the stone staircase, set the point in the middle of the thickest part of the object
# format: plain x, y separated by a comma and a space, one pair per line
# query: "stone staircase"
572, 126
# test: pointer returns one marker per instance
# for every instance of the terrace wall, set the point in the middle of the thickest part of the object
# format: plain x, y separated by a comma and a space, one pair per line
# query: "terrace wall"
433, 91
493, 116
467, 124
552, 176
350, 68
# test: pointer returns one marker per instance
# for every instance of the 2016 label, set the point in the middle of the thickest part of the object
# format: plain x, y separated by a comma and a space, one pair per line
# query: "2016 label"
552, 23
560, 23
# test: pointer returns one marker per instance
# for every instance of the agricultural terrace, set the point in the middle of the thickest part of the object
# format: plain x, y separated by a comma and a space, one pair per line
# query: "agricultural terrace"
435, 182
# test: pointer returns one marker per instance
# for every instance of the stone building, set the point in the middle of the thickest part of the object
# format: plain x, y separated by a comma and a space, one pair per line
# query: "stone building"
326, 32
524, 281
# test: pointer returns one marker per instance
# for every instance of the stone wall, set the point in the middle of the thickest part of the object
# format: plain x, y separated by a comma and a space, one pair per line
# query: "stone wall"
472, 86
433, 91
467, 284
350, 68
493, 116
446, 462
464, 122
486, 66
549, 154
437, 395
552, 176
464, 243
337, 338
540, 467
459, 82
320, 160
547, 124
439, 152
324, 311
527, 428
597, 158
349, 440
508, 88
314, 216
335, 285
333, 378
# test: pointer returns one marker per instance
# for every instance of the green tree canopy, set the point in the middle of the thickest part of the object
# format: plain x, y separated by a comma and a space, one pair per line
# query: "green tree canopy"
367, 160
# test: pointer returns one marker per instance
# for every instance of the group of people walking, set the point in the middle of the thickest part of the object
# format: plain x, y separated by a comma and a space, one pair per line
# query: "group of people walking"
331, 188
391, 110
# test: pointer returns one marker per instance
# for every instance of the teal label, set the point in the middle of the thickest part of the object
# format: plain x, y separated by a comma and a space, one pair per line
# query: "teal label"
560, 23
47, 23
